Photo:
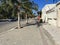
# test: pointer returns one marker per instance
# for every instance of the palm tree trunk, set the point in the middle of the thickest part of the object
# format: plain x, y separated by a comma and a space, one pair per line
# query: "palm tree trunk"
19, 21
26, 19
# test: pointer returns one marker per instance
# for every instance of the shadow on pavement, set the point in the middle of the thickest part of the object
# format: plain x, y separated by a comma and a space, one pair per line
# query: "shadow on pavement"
29, 24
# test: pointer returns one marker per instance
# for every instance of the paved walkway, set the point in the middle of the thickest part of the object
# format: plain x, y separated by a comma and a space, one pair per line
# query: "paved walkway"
53, 33
29, 35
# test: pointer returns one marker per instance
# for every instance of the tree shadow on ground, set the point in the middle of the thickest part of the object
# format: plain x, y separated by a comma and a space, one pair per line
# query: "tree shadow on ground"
29, 24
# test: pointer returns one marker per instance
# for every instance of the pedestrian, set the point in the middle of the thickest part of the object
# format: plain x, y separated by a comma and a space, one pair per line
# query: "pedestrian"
38, 21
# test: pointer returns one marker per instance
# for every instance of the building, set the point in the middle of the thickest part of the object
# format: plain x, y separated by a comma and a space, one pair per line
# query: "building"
50, 14
58, 13
45, 13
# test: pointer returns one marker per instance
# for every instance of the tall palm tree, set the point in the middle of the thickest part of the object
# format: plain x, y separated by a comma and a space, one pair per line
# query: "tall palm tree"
28, 9
15, 5
7, 4
27, 6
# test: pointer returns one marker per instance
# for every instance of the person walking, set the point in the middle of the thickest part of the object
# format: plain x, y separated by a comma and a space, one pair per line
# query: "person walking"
38, 21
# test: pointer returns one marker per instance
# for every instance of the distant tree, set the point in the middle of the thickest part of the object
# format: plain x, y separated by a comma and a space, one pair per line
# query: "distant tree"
28, 9
39, 13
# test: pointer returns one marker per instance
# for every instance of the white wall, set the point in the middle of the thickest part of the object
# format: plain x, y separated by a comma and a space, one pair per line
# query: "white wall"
46, 8
53, 16
50, 15
58, 15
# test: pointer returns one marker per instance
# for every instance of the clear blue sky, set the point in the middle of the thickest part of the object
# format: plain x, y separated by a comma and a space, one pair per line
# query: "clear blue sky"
42, 3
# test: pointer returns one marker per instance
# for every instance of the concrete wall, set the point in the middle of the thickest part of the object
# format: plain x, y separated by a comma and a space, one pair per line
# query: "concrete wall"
58, 15
49, 15
52, 18
44, 15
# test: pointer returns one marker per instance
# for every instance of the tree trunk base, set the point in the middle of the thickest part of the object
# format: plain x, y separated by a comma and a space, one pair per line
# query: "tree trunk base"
18, 27
27, 23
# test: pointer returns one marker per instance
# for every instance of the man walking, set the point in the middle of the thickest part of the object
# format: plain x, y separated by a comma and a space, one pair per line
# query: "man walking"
38, 21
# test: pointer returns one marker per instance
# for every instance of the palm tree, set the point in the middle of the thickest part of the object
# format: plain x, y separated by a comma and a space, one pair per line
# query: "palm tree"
13, 7
28, 9
7, 8
7, 4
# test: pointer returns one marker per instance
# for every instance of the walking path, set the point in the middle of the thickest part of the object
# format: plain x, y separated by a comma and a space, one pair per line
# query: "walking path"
53, 33
29, 35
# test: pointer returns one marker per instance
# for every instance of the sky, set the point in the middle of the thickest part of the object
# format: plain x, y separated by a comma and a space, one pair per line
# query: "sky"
42, 3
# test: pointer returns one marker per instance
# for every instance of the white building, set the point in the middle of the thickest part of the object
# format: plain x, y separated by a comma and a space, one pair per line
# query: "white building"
58, 13
44, 11
49, 13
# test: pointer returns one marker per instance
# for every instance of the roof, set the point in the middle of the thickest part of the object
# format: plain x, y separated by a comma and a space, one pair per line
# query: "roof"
58, 3
48, 7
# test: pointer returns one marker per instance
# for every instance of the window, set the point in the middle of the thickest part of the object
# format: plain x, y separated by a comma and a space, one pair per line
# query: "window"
55, 18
